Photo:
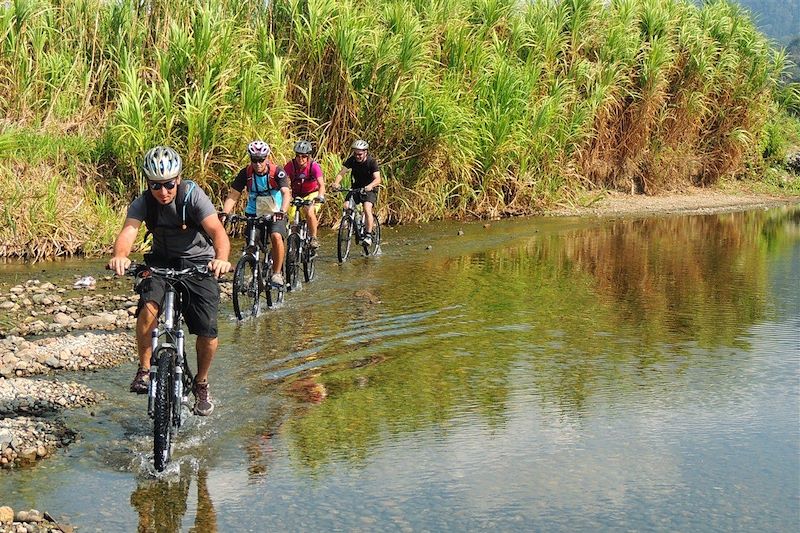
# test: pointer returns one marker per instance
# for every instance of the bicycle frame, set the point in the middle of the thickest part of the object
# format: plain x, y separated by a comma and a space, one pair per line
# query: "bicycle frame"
169, 369
353, 224
172, 337
255, 252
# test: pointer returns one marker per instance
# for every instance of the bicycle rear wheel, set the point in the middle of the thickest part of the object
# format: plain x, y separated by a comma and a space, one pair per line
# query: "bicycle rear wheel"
344, 237
375, 247
293, 262
309, 256
162, 410
247, 285
275, 295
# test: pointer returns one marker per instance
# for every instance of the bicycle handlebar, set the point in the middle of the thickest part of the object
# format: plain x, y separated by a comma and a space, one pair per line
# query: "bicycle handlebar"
359, 190
263, 220
298, 201
138, 270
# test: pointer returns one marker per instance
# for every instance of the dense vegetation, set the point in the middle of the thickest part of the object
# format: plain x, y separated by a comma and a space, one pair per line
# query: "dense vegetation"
474, 107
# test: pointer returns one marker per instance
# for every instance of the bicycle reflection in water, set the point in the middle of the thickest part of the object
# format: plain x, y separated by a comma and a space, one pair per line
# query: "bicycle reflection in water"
162, 504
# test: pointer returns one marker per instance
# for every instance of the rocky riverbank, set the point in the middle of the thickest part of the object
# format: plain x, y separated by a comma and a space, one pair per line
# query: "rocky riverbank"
82, 321
36, 308
25, 440
31, 521
29, 429
40, 308
86, 351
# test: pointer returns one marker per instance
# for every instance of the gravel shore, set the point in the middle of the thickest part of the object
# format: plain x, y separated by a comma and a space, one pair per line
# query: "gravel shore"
86, 351
30, 521
29, 432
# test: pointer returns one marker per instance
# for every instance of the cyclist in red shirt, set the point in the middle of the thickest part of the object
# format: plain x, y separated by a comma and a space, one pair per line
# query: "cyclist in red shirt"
307, 182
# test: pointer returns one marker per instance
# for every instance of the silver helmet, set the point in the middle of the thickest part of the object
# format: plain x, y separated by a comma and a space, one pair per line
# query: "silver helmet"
161, 164
360, 144
302, 147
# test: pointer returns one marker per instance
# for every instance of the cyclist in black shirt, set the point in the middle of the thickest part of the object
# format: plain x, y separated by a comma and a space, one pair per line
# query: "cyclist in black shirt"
365, 175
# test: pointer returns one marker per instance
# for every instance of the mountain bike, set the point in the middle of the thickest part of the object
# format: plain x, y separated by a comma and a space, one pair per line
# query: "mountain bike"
298, 246
251, 275
352, 225
170, 375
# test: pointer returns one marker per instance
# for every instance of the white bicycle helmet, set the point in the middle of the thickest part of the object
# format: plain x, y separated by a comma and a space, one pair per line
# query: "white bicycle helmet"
302, 147
360, 144
258, 149
161, 164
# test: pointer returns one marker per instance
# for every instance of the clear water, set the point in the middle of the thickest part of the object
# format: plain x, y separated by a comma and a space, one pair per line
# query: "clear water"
540, 374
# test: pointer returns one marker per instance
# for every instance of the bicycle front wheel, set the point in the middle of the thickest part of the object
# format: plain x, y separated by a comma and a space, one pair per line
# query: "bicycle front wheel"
246, 288
345, 234
293, 262
162, 410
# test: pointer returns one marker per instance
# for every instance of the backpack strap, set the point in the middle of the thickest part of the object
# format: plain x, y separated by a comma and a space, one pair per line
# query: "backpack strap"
181, 200
252, 185
185, 189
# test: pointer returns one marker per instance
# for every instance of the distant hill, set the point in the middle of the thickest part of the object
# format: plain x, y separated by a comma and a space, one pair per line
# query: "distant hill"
778, 19
793, 53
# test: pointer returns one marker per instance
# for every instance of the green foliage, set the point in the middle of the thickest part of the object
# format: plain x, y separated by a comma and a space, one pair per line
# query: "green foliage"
474, 107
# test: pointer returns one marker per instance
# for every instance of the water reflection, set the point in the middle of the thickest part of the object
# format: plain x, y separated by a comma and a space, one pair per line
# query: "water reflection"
533, 375
162, 503
616, 314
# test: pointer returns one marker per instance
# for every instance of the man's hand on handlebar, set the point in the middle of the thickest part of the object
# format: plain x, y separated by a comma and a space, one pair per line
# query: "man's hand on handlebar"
119, 265
320, 199
219, 267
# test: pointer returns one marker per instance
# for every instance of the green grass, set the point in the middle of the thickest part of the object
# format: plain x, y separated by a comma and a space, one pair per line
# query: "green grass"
474, 107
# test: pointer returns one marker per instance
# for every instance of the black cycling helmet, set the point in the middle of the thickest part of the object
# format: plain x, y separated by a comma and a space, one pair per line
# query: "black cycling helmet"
302, 147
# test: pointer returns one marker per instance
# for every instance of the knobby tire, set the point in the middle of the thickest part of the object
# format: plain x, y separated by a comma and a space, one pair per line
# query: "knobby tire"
247, 287
309, 256
343, 242
373, 248
293, 262
274, 295
162, 410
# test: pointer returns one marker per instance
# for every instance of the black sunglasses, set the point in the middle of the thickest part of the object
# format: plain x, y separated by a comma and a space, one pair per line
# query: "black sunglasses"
156, 186
257, 159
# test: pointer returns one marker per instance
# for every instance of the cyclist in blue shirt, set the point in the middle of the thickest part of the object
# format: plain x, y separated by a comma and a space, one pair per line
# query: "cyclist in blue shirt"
267, 185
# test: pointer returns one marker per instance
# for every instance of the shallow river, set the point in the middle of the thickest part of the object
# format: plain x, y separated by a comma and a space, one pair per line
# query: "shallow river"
542, 374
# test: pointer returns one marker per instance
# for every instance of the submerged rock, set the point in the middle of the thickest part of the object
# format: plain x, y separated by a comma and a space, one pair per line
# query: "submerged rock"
367, 296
